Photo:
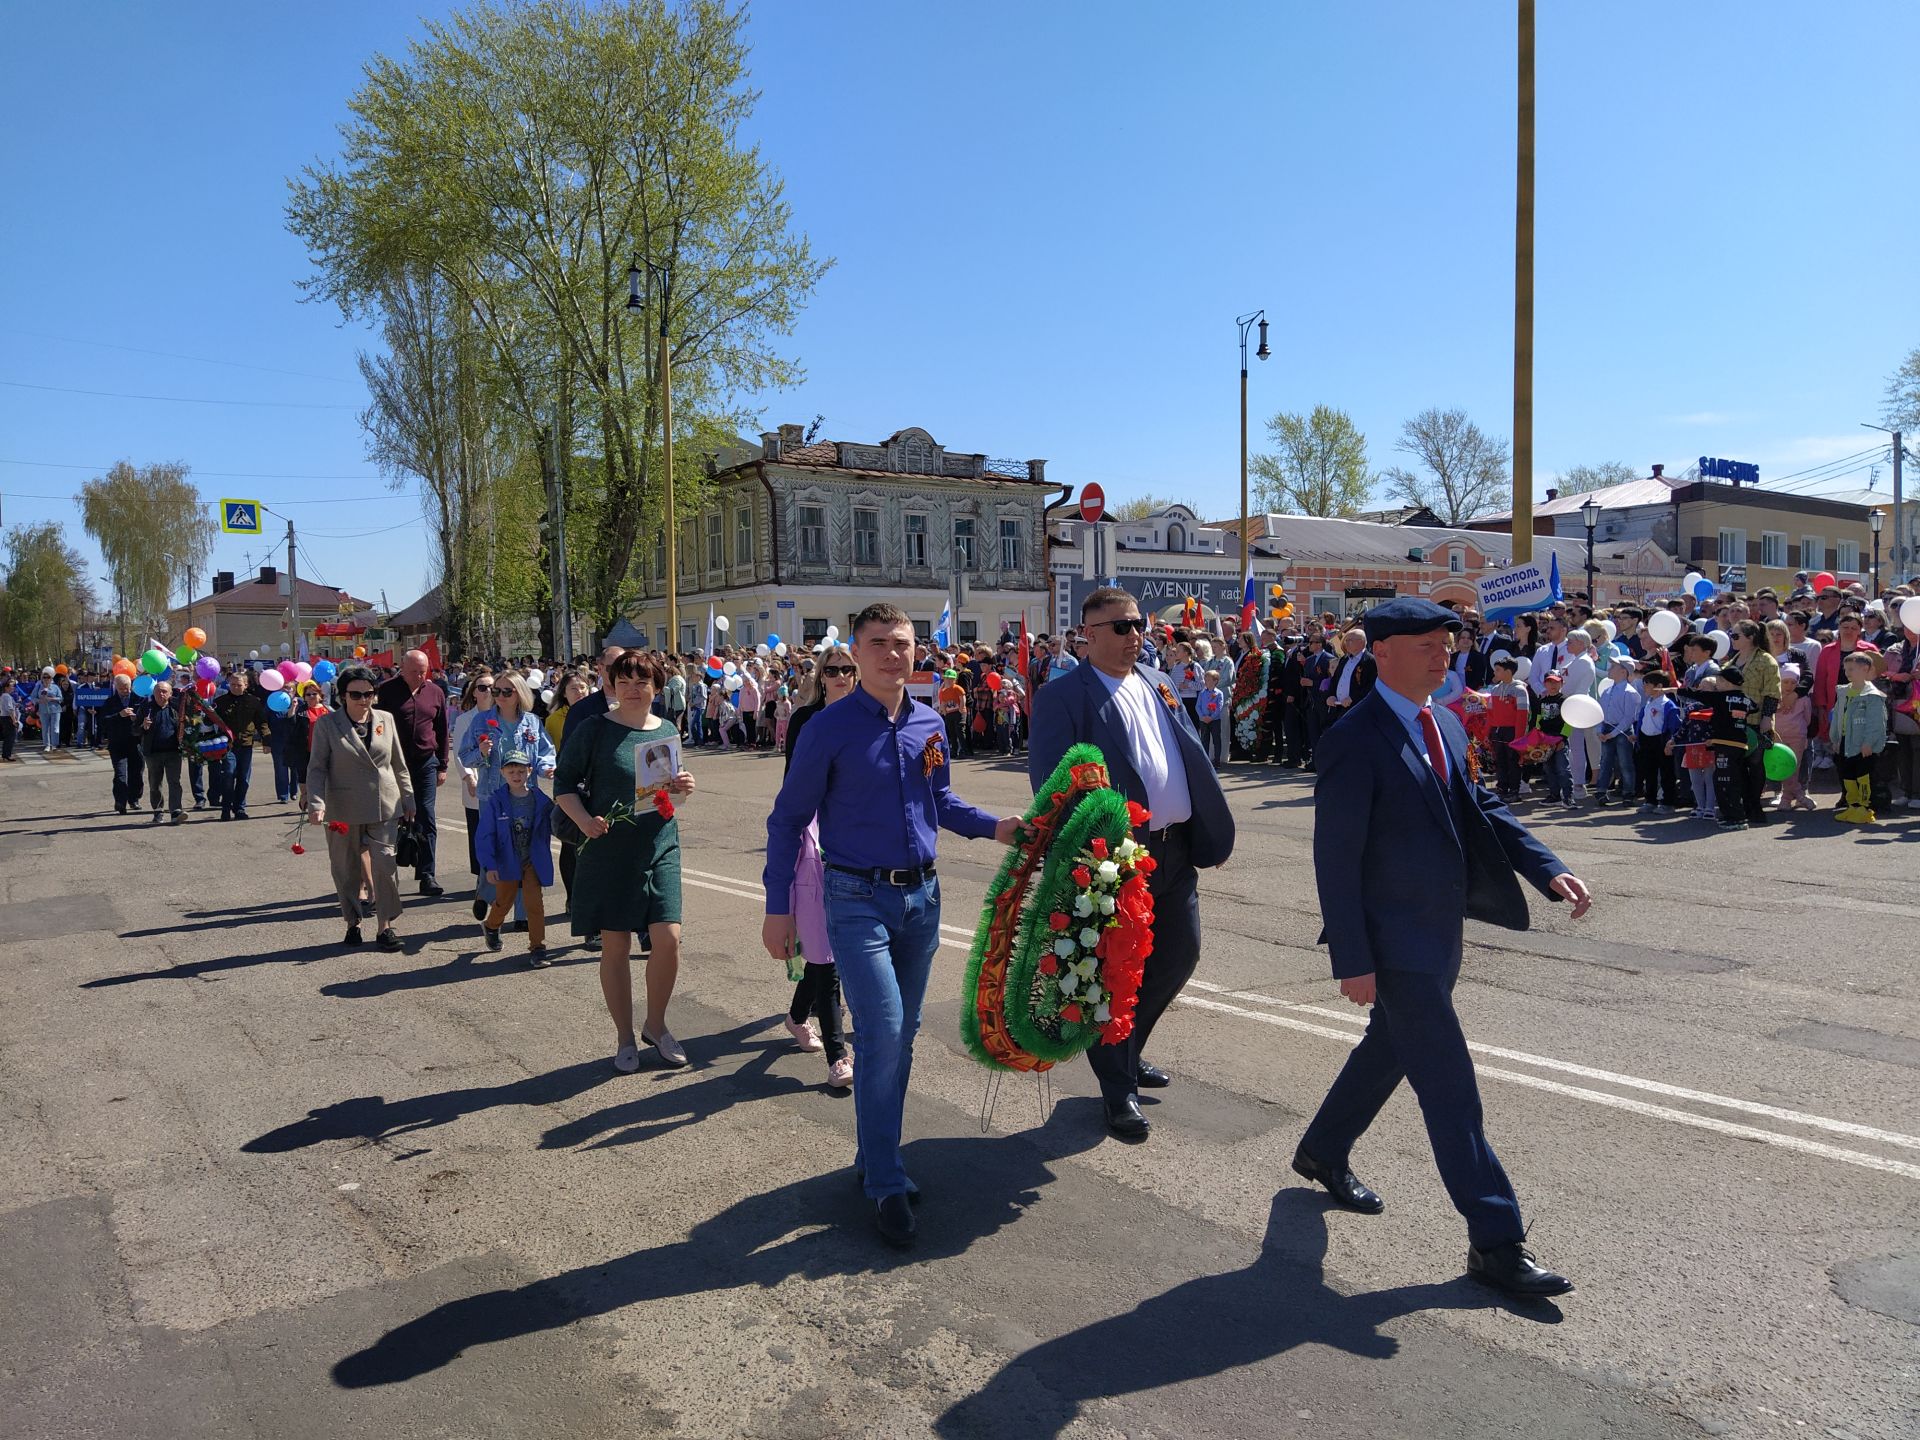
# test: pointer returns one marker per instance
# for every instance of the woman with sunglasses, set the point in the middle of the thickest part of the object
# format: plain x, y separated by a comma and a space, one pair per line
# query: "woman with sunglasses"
475, 697
818, 989
510, 725
627, 878
357, 783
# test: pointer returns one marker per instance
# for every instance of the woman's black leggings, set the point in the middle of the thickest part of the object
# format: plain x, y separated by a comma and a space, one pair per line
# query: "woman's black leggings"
819, 991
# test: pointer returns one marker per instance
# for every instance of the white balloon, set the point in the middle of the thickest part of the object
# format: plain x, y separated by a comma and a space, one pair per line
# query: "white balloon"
1910, 614
1721, 644
1582, 712
761, 650
1664, 626
546, 697
1522, 667
1606, 685
1613, 630
253, 654
734, 682
730, 668
722, 624
1694, 577
833, 633
285, 648
781, 649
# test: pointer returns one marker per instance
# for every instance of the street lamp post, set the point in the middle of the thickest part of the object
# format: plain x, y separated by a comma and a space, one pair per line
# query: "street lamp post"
1876, 517
635, 304
1246, 323
1590, 517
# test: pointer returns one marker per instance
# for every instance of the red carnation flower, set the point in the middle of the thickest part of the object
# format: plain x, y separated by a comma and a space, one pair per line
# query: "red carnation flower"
1070, 1013
1146, 864
298, 848
1082, 876
337, 826
1058, 921
1137, 814
1099, 847
1049, 964
663, 804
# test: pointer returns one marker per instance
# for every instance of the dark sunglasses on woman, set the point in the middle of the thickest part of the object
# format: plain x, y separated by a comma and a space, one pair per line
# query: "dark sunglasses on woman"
836, 669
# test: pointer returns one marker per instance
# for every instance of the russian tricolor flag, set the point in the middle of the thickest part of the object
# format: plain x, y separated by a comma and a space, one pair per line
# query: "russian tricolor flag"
1249, 605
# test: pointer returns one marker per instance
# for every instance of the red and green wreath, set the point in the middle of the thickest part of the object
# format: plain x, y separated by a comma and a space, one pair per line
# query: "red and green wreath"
1057, 960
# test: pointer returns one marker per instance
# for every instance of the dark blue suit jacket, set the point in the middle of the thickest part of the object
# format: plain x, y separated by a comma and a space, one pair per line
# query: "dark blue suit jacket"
1076, 708
1399, 864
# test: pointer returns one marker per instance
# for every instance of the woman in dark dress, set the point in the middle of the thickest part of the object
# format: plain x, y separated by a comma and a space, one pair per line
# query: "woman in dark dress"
627, 874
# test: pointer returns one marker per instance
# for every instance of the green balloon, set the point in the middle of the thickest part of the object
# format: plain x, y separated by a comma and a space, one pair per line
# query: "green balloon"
185, 655
154, 663
1780, 762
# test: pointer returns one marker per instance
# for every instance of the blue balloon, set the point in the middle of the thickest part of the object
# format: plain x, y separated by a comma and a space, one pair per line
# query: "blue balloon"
143, 685
772, 640
1703, 588
279, 702
324, 671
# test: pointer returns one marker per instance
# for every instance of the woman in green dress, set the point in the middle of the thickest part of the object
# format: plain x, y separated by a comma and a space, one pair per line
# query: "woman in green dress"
627, 874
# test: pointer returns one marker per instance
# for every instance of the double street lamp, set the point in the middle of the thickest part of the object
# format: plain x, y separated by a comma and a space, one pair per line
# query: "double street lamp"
1590, 517
662, 276
1246, 323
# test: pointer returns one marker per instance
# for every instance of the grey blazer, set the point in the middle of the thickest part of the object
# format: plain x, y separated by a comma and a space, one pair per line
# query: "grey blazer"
358, 784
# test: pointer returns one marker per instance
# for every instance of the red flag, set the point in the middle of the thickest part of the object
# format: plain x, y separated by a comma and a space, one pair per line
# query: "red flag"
431, 648
1025, 652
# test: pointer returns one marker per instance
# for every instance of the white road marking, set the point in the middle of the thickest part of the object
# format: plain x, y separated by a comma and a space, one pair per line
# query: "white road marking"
1596, 1097
962, 939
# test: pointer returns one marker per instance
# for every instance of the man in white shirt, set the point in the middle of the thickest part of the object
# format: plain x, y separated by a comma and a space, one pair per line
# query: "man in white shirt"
1155, 758
1583, 746
1550, 656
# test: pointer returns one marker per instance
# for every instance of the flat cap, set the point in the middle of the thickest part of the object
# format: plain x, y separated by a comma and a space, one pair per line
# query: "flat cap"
1407, 615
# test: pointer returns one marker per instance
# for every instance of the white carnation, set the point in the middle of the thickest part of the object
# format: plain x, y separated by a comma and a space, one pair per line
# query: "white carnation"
1089, 938
1128, 849
1106, 905
1063, 947
1069, 982
1108, 871
1082, 905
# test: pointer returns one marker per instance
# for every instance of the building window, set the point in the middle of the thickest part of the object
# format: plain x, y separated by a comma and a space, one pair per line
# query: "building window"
743, 536
917, 541
1846, 557
686, 639
716, 551
1813, 554
1773, 549
689, 544
813, 630
1733, 547
969, 632
813, 541
866, 537
965, 554
1456, 563
1010, 544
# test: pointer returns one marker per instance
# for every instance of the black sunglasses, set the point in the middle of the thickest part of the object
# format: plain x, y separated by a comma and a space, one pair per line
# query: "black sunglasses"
837, 670
359, 694
483, 689
1137, 625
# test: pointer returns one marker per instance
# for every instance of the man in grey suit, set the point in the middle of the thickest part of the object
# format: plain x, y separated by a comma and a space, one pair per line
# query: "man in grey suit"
1154, 757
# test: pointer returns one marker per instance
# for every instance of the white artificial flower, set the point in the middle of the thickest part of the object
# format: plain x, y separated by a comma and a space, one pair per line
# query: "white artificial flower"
1063, 947
1108, 871
1101, 1013
1086, 968
1128, 849
1106, 905
1089, 938
1083, 905
1069, 982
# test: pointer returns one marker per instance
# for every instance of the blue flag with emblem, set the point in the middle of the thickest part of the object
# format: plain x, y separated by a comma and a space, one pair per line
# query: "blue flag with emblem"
941, 631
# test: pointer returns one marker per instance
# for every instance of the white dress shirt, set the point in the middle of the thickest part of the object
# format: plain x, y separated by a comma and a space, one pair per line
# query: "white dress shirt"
1152, 746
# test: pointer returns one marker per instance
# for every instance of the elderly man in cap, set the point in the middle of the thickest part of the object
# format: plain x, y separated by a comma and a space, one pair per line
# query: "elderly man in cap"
1405, 845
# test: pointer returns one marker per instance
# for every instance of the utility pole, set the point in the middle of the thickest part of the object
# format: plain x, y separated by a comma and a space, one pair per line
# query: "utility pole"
557, 526
1903, 558
293, 596
1523, 300
957, 595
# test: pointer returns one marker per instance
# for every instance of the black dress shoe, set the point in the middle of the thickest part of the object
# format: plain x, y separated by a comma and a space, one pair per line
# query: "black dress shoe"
913, 1190
1125, 1122
353, 935
893, 1217
1340, 1184
1512, 1268
1151, 1077
387, 940
431, 890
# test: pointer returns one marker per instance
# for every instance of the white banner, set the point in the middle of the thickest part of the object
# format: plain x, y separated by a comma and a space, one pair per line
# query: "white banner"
1514, 591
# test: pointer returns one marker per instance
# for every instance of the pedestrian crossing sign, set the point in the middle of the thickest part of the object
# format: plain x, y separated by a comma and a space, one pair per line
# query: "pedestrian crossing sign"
240, 517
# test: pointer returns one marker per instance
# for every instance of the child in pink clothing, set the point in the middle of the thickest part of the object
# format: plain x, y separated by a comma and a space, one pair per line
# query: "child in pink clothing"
1790, 725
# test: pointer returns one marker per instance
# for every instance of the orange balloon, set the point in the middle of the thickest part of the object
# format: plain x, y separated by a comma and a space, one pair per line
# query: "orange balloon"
196, 638
124, 666
359, 652
59, 669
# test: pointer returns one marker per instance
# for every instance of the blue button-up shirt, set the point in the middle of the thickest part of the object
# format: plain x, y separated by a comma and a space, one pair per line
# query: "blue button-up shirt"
1408, 713
866, 775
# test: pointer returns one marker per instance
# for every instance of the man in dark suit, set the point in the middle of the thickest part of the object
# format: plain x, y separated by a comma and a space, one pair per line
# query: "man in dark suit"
1155, 758
1404, 846
1353, 675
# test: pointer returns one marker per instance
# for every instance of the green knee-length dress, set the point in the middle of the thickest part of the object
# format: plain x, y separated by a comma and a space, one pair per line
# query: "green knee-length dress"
628, 878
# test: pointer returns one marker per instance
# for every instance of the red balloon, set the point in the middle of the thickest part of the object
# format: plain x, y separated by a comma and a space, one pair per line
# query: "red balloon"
205, 689
994, 682
1823, 580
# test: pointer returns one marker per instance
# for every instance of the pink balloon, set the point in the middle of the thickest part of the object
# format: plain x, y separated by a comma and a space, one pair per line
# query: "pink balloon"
272, 680
302, 672
286, 669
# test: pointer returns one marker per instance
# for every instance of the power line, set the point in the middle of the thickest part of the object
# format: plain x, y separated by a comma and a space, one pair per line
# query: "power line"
179, 399
332, 500
1797, 474
174, 355
215, 474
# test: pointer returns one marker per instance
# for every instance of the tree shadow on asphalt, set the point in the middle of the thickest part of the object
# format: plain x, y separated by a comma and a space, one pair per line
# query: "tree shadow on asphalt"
1209, 1325
297, 955
276, 912
373, 1118
812, 1229
466, 966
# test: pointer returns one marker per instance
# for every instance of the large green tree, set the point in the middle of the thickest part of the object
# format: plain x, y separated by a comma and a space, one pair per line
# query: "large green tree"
1318, 465
154, 531
46, 598
1462, 469
1579, 479
1903, 396
528, 154
1138, 508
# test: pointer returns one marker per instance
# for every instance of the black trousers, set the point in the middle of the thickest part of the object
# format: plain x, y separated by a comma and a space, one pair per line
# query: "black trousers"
426, 786
129, 775
1175, 887
1299, 739
1659, 781
9, 729
818, 992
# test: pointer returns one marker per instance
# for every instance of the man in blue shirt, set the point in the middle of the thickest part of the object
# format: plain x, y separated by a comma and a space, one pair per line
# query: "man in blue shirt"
874, 770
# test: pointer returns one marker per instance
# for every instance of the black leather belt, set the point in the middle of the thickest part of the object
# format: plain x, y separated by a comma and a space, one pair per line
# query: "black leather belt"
1163, 831
905, 879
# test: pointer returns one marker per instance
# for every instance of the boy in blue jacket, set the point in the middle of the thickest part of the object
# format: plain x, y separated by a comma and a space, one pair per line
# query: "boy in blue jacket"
514, 843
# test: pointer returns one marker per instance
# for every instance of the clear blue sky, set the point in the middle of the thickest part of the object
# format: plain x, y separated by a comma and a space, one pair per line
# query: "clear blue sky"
1045, 218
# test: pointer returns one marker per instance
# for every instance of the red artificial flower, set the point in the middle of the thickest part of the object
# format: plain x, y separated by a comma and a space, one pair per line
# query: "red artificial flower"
1070, 1013
1058, 921
298, 848
339, 827
1137, 814
1082, 876
1146, 864
1099, 847
1049, 964
663, 803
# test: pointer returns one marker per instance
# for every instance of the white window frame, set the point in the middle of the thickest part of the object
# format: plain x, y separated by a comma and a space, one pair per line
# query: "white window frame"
1845, 551
968, 544
861, 532
716, 542
1813, 553
908, 535
1328, 602
743, 536
1773, 549
818, 555
1456, 563
1732, 547
1012, 538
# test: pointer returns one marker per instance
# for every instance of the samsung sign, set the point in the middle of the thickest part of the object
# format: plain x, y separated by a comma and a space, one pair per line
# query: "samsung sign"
1740, 472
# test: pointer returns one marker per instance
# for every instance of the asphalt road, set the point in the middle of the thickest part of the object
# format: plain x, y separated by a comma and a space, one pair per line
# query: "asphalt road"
254, 1184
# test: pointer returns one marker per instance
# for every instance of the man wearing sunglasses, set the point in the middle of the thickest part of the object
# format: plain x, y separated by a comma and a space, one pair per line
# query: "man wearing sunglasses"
1155, 758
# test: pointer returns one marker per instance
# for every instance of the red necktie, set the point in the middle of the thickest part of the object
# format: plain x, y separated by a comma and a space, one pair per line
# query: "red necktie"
1436, 752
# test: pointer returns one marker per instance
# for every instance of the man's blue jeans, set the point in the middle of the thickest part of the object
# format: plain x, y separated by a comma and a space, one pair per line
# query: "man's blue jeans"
230, 777
1616, 758
883, 940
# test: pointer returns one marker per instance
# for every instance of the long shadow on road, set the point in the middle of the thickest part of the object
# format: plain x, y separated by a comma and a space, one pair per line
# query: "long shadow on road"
297, 955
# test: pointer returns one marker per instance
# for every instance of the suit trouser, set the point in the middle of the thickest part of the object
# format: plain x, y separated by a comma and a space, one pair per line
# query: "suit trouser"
343, 854
426, 810
1413, 1034
1175, 888
164, 764
127, 787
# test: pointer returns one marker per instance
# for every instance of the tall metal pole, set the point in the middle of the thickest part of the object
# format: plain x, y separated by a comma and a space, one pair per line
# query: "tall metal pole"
1902, 543
666, 451
293, 596
557, 509
1523, 301
1245, 323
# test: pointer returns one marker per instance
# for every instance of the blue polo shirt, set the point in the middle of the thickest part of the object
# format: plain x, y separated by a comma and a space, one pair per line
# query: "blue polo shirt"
881, 787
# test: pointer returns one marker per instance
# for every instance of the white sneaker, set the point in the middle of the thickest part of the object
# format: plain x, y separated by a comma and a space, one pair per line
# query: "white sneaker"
804, 1036
627, 1058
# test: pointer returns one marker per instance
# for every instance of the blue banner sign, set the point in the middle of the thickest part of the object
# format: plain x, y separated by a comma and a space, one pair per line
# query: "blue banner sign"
1738, 471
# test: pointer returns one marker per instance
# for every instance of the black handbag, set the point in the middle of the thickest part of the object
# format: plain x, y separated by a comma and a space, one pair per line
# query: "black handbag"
408, 852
